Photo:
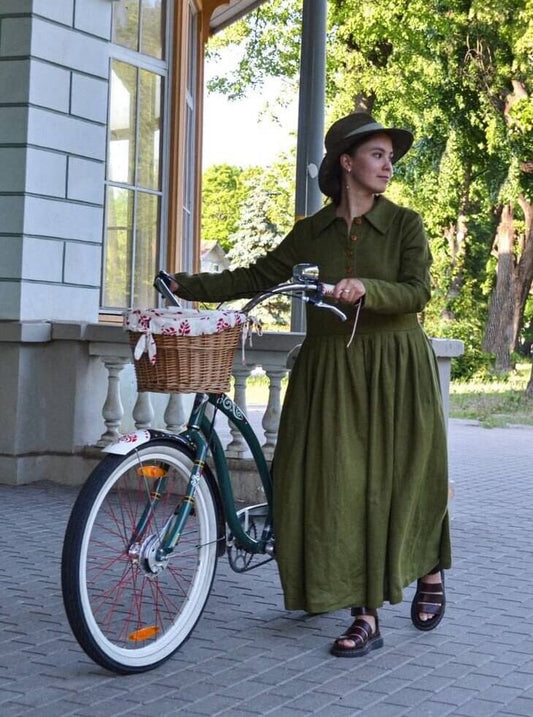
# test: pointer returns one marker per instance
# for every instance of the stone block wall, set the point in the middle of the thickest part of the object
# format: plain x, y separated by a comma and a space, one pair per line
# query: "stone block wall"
54, 65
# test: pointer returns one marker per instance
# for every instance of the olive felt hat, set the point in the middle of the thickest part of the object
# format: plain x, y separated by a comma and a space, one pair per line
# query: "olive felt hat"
343, 134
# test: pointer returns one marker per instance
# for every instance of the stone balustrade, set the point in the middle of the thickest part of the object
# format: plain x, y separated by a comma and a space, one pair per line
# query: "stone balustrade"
80, 394
269, 352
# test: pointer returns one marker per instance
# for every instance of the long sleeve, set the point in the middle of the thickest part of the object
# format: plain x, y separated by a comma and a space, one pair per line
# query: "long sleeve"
269, 270
411, 292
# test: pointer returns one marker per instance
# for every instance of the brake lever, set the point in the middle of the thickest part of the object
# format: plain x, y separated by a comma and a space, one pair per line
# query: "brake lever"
322, 305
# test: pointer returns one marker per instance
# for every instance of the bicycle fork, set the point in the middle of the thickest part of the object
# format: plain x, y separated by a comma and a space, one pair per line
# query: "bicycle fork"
176, 524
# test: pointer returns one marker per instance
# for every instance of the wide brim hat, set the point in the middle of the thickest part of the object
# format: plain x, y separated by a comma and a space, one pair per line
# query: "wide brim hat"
343, 134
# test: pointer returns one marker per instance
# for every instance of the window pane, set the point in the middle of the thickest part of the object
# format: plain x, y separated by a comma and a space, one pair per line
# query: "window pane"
153, 28
126, 23
191, 55
190, 142
123, 106
118, 247
149, 131
146, 248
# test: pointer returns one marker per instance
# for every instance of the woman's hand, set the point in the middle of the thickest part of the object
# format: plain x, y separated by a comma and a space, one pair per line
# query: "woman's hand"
173, 286
349, 290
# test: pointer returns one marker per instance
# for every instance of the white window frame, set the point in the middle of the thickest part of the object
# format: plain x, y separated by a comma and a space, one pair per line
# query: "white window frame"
142, 61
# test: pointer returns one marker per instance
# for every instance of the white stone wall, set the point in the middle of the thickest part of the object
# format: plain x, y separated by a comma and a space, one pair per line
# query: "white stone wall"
54, 64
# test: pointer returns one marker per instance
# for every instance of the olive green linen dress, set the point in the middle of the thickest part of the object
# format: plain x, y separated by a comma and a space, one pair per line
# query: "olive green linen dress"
360, 467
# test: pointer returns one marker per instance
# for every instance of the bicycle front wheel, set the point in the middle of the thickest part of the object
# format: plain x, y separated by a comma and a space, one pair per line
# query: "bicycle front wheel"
131, 608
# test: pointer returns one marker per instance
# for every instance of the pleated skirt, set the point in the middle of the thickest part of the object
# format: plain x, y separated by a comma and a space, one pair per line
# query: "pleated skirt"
360, 471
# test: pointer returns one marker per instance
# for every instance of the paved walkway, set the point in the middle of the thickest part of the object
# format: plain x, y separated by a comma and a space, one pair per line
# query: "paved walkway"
250, 657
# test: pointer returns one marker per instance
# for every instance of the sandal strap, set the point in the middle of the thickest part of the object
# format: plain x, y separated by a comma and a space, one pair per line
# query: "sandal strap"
431, 588
358, 632
429, 607
430, 598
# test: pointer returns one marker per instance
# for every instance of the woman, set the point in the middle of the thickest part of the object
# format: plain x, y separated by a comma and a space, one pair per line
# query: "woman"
360, 479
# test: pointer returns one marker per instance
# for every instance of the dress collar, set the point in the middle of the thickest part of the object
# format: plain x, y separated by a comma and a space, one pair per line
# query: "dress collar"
380, 216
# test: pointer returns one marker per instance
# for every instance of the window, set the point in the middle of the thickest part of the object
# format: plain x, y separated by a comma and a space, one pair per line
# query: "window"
187, 228
135, 172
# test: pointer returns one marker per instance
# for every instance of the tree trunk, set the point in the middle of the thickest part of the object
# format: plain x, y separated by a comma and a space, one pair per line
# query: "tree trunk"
525, 266
500, 329
529, 388
456, 238
364, 103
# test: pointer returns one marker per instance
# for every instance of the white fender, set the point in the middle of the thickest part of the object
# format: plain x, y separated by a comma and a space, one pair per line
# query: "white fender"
127, 442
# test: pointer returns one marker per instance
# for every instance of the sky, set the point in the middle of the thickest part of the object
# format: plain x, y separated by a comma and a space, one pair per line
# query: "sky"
234, 131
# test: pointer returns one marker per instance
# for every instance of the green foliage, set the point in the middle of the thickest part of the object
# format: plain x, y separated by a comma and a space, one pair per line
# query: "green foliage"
458, 74
224, 189
257, 234
268, 40
525, 347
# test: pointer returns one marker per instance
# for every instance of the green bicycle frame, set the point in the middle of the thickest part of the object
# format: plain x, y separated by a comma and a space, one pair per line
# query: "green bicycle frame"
201, 434
237, 417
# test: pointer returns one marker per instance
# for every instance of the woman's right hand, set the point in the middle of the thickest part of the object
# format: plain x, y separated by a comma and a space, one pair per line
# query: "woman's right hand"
173, 286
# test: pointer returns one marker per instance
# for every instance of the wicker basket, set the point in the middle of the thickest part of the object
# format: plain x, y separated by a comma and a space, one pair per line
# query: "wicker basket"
188, 364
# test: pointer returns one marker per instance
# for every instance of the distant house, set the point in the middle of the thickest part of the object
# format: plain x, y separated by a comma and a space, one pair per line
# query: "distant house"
213, 257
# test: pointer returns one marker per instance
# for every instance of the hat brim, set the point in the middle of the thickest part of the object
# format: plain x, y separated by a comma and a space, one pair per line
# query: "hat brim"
402, 141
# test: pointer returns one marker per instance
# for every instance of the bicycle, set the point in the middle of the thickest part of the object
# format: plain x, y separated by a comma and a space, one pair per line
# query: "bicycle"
148, 526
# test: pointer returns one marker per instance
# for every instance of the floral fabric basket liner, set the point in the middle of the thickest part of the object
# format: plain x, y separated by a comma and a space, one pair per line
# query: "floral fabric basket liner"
175, 321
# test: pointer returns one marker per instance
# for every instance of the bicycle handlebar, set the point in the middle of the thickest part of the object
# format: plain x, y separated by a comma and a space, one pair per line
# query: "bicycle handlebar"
310, 291
319, 289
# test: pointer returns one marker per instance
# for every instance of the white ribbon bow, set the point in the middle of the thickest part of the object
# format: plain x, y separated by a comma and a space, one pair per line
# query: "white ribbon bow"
146, 343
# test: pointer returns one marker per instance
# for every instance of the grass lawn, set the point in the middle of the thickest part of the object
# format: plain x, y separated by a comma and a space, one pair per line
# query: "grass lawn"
494, 403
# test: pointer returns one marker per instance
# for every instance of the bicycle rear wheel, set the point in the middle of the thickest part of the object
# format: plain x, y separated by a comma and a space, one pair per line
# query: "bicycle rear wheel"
129, 608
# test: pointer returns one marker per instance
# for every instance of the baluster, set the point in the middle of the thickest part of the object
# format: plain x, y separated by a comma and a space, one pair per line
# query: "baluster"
237, 447
112, 410
273, 410
174, 413
143, 413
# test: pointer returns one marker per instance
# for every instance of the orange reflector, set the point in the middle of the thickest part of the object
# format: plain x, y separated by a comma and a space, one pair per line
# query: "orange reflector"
144, 633
151, 472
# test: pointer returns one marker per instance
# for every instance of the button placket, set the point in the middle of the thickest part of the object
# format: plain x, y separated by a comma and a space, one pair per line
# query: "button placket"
350, 249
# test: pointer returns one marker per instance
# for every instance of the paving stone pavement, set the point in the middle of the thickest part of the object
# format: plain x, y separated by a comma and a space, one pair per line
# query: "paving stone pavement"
249, 657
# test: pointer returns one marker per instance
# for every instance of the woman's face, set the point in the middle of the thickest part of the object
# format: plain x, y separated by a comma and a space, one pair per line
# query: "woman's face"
370, 165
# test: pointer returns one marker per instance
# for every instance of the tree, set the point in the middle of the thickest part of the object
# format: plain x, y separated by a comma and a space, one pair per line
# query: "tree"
458, 73
257, 234
268, 39
223, 191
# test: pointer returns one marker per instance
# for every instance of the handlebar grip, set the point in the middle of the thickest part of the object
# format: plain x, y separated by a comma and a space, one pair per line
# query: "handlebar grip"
162, 284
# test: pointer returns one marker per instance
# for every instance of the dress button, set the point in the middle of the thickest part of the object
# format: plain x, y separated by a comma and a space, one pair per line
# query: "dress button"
354, 237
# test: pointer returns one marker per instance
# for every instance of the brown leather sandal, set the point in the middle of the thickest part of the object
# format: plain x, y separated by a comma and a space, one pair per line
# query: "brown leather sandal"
431, 599
361, 634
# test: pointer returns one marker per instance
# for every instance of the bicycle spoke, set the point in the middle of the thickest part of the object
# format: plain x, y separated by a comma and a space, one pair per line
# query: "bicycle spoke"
137, 604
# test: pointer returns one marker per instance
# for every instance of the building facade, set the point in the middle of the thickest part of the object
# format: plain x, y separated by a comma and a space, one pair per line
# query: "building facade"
100, 121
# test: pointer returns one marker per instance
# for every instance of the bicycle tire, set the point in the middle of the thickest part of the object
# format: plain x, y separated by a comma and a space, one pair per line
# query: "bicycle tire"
125, 616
